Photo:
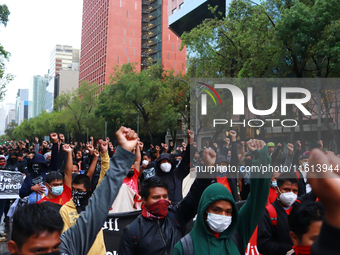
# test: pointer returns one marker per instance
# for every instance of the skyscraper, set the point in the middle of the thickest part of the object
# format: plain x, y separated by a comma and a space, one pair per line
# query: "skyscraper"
37, 95
129, 31
22, 105
62, 57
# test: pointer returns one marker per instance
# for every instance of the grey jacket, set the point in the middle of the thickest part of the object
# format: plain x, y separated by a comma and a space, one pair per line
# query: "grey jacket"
78, 239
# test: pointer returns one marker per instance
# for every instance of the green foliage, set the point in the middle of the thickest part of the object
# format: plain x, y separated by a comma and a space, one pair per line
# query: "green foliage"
4, 55
272, 39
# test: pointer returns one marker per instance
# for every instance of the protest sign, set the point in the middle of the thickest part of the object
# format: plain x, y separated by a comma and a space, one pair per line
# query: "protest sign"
10, 184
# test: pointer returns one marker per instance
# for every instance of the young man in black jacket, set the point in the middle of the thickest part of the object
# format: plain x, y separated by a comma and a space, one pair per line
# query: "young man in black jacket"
273, 230
161, 224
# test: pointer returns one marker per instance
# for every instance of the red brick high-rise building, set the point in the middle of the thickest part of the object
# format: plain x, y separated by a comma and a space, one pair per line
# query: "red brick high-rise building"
126, 31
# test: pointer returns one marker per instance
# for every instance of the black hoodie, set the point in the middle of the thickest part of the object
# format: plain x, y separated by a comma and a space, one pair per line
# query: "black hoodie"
174, 178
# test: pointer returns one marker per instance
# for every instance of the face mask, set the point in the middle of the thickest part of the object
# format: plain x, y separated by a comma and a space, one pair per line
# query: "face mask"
145, 162
157, 210
302, 250
274, 184
12, 160
304, 165
248, 162
166, 167
3, 163
287, 198
80, 200
36, 168
130, 174
57, 190
218, 223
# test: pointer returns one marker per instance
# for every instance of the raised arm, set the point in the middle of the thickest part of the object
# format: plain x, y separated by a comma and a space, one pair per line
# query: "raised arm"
105, 164
259, 191
69, 165
183, 169
93, 165
242, 152
187, 208
80, 237
55, 152
138, 156
234, 157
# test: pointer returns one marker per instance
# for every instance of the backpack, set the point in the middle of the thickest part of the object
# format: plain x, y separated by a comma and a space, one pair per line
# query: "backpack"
273, 213
188, 245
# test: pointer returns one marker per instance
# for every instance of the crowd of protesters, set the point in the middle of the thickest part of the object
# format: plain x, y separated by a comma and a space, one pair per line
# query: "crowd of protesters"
68, 190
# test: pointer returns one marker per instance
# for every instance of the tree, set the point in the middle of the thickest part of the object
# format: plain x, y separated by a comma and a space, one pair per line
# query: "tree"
278, 39
10, 129
77, 111
4, 55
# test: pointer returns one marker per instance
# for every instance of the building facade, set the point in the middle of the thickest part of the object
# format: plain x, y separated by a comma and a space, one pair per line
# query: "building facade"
66, 81
129, 31
62, 57
22, 105
37, 95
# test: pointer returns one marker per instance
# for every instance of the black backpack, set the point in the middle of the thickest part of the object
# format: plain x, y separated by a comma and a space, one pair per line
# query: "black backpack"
188, 245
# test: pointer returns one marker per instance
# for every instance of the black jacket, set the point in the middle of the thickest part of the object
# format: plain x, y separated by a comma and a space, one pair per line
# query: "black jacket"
276, 241
174, 178
159, 237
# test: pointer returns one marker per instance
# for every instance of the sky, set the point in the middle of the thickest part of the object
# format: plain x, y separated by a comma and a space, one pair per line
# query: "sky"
33, 29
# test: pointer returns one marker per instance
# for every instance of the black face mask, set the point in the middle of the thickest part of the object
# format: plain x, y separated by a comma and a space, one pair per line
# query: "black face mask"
80, 199
12, 161
130, 174
36, 168
248, 162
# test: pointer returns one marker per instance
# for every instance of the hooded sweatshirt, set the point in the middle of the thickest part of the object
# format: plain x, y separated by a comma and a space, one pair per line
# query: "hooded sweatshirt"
243, 221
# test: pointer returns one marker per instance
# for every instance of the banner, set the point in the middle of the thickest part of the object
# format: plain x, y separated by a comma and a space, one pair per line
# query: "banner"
10, 184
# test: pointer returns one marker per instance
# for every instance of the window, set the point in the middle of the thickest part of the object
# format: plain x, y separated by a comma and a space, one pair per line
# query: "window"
124, 32
121, 3
128, 60
128, 23
128, 14
181, 6
174, 10
119, 22
123, 41
135, 6
130, 42
126, 51
118, 60
133, 33
134, 52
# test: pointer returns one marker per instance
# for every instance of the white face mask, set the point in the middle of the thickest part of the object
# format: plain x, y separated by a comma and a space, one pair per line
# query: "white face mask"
304, 165
166, 167
287, 198
218, 223
145, 162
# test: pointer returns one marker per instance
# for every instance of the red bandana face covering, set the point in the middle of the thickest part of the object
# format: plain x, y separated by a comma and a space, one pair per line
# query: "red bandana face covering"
157, 210
302, 250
